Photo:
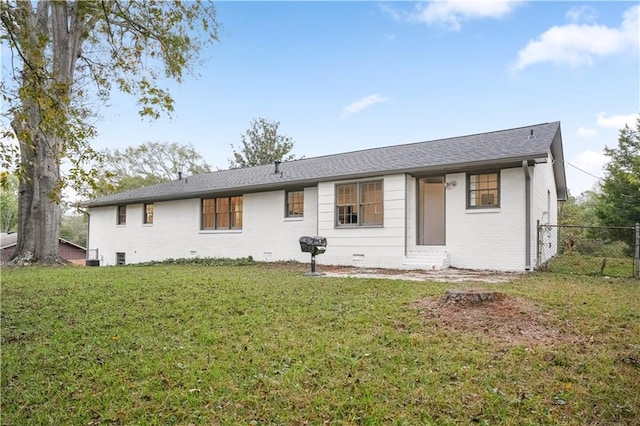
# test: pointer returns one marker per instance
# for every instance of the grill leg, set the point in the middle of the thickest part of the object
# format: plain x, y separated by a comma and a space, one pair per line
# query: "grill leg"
313, 263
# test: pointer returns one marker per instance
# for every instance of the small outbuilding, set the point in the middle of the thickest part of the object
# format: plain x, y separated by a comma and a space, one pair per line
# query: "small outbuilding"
70, 251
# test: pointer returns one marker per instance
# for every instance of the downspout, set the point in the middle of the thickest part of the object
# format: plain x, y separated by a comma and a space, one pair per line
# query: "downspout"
86, 213
406, 211
527, 214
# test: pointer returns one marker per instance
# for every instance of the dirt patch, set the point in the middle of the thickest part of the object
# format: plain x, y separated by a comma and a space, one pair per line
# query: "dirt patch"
450, 275
514, 321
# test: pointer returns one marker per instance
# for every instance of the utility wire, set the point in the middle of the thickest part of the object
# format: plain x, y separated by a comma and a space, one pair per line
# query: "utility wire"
583, 171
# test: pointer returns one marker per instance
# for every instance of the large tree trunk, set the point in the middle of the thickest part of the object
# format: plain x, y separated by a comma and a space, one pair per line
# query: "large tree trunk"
45, 109
38, 210
25, 251
38, 214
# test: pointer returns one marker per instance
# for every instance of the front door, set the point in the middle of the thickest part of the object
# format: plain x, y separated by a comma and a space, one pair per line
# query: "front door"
431, 211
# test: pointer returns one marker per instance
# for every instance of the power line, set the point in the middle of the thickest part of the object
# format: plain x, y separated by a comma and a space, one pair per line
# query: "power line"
583, 171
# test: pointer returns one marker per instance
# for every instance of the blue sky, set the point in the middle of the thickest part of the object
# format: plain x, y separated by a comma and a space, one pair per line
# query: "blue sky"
342, 76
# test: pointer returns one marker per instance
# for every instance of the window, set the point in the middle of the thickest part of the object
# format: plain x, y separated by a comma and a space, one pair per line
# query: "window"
295, 204
120, 258
122, 215
148, 213
359, 204
483, 190
371, 203
207, 214
236, 212
222, 213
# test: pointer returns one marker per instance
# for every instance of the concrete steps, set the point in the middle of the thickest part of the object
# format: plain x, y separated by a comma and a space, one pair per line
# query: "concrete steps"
431, 258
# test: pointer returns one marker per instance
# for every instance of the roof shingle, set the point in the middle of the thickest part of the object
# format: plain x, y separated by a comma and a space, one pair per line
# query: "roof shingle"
461, 152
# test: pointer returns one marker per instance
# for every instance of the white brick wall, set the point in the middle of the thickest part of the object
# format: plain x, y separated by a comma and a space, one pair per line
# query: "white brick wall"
487, 238
175, 233
475, 238
544, 204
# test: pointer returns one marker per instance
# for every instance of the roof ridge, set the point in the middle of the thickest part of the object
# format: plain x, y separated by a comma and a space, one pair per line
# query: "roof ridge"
496, 146
406, 144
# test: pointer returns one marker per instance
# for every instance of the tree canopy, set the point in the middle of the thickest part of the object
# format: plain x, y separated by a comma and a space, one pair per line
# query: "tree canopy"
261, 144
579, 210
66, 58
148, 164
619, 199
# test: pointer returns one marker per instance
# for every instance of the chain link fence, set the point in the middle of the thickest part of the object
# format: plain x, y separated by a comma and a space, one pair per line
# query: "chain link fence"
590, 250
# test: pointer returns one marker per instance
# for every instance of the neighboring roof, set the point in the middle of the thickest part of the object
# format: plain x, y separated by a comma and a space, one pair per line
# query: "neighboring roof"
505, 147
8, 240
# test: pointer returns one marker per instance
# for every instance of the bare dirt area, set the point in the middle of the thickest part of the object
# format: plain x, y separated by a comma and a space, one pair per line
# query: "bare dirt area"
514, 321
450, 275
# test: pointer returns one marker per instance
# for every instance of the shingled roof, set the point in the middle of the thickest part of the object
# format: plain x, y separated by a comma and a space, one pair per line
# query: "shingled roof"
500, 148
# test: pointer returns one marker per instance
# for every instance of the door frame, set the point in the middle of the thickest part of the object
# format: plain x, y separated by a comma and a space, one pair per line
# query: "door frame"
420, 209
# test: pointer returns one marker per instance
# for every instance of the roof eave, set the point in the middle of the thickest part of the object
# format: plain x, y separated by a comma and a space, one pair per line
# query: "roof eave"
441, 168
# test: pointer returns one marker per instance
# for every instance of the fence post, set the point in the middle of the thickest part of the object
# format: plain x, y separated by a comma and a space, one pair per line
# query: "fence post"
636, 257
538, 244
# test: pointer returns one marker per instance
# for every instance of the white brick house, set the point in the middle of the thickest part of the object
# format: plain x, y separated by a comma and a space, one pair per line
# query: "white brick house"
467, 202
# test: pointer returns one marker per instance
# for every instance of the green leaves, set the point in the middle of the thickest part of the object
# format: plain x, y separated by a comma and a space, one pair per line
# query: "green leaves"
261, 144
66, 55
619, 201
63, 65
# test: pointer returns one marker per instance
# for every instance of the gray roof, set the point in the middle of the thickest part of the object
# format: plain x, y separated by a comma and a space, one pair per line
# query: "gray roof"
8, 240
499, 148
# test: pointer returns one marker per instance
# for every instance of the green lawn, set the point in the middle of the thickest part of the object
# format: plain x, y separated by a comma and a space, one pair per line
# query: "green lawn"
261, 345
576, 263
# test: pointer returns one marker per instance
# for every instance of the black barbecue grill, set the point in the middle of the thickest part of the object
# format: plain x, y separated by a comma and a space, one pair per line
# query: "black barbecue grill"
314, 245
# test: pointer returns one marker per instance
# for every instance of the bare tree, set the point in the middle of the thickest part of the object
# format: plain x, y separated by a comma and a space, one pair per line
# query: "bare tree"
150, 163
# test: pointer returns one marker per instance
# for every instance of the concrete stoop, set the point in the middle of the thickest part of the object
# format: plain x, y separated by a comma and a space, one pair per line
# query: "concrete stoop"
430, 258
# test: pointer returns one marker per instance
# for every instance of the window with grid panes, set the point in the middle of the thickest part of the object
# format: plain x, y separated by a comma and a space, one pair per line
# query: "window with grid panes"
295, 203
483, 190
359, 204
122, 215
208, 211
371, 203
222, 213
236, 212
148, 213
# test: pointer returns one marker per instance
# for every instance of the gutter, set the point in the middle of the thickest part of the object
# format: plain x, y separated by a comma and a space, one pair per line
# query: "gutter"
116, 199
527, 214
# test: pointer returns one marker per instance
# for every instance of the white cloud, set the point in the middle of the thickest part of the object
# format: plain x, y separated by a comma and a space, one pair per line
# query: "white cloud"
616, 121
361, 104
591, 161
450, 14
578, 44
395, 14
585, 132
584, 170
581, 14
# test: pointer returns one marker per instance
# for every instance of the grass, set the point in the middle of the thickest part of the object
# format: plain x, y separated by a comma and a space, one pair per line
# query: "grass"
184, 344
581, 264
